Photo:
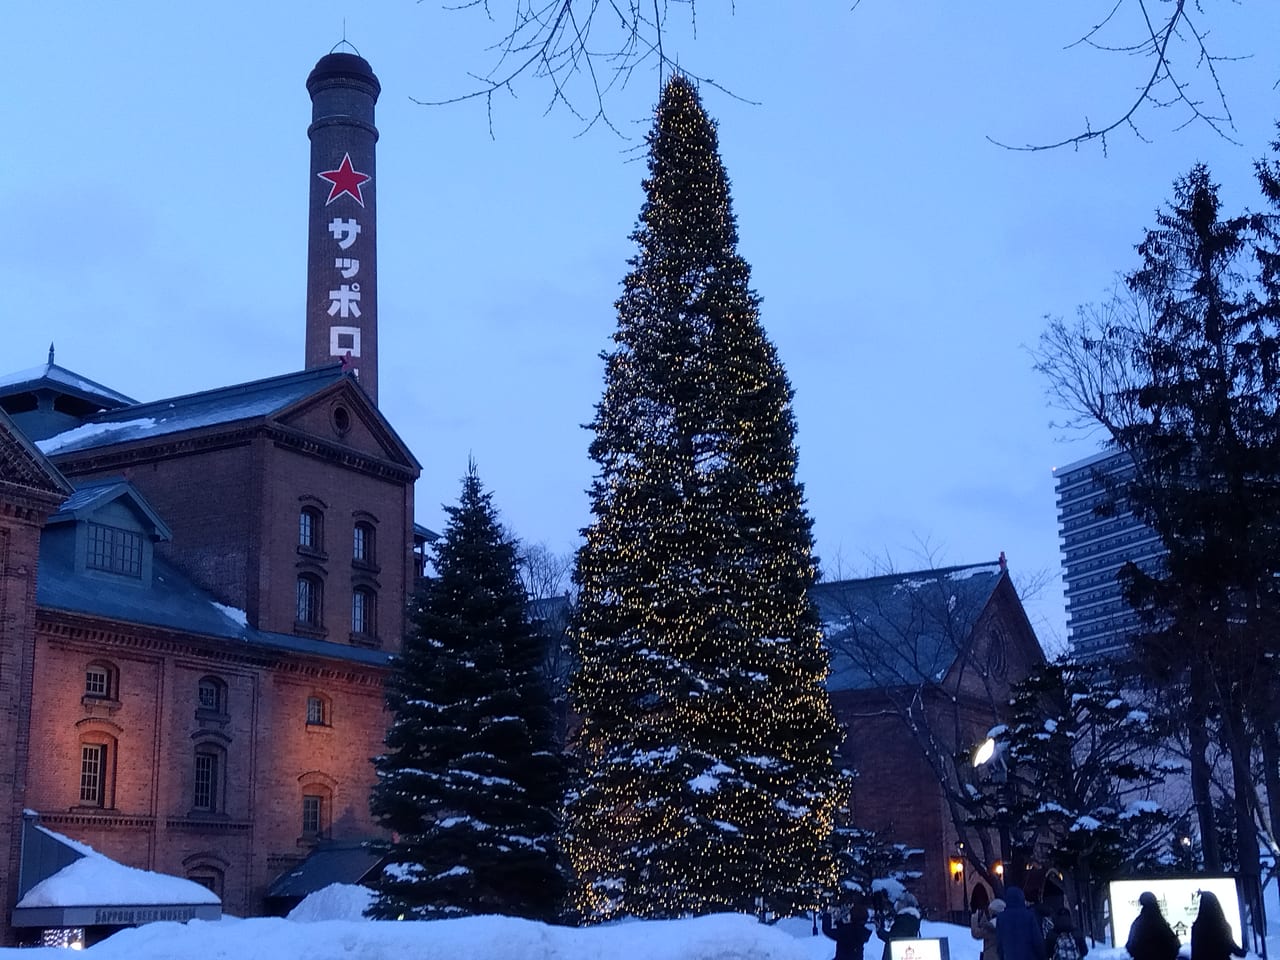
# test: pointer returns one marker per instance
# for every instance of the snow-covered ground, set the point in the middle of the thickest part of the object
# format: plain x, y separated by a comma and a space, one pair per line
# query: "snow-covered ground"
327, 926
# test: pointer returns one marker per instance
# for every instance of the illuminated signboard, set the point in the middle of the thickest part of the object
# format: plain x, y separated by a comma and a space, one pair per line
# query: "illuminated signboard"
1179, 900
919, 949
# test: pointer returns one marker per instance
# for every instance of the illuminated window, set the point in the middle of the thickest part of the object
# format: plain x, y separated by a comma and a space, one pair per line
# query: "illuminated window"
93, 774
363, 601
114, 550
309, 600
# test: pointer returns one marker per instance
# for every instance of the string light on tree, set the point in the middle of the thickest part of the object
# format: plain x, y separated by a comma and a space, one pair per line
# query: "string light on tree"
707, 735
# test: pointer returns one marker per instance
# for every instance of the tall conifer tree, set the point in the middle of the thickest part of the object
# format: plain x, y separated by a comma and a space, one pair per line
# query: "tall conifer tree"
471, 784
707, 734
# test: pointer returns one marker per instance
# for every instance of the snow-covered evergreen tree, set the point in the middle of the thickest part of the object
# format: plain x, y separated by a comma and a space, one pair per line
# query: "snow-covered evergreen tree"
1083, 761
707, 735
471, 784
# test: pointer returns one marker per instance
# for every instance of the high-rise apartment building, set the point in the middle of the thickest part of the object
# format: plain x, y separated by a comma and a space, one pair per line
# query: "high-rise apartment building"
1096, 543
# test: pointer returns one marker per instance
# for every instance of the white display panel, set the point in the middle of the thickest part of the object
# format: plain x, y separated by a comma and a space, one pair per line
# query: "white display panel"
922, 948
1179, 900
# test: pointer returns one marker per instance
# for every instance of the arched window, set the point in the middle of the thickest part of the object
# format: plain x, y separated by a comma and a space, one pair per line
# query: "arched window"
310, 600
97, 770
209, 768
211, 695
364, 604
316, 794
318, 711
363, 543
100, 681
207, 868
207, 876
311, 529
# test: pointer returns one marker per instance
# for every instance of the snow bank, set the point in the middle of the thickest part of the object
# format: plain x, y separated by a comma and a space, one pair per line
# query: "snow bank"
338, 901
721, 937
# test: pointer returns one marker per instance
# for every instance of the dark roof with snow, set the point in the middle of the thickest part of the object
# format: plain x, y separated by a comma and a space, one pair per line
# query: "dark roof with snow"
902, 629
91, 495
335, 862
223, 405
170, 601
50, 376
23, 465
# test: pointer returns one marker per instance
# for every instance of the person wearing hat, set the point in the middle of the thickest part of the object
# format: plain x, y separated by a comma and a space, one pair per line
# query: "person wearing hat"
1150, 937
1018, 933
982, 926
905, 925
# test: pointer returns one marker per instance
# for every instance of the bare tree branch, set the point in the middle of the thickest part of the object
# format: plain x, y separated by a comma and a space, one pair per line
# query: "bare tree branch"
584, 49
1169, 83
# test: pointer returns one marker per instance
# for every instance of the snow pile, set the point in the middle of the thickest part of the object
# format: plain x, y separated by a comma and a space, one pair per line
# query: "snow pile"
96, 880
338, 901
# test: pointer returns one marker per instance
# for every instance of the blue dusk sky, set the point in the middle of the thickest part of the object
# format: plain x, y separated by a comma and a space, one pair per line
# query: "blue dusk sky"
154, 210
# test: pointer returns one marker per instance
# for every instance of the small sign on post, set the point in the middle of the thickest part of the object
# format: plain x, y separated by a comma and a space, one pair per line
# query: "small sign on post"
920, 948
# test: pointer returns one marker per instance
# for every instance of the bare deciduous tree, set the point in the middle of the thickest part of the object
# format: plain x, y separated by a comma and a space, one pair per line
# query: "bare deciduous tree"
1180, 68
584, 49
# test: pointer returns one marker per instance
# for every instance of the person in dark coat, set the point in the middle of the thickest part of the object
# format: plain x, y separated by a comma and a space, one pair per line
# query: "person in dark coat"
905, 925
1211, 937
1067, 942
1018, 934
849, 930
1150, 936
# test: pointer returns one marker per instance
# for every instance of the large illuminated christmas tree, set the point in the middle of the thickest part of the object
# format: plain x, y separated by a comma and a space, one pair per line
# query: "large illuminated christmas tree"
471, 784
707, 736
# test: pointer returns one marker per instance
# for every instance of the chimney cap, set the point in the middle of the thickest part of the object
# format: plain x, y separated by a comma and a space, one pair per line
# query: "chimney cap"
339, 67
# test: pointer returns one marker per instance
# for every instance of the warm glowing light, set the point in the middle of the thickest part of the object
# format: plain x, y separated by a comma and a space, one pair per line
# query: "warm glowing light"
985, 752
998, 869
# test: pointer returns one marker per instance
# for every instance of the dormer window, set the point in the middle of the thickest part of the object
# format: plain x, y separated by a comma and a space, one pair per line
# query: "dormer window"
114, 550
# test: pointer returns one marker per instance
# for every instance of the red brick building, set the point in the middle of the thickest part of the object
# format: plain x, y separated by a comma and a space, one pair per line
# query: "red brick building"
214, 606
199, 594
921, 666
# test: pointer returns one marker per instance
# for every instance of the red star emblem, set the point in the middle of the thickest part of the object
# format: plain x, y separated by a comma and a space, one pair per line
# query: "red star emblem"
346, 179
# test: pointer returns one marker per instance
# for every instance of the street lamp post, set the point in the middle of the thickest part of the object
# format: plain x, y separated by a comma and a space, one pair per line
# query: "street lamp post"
990, 756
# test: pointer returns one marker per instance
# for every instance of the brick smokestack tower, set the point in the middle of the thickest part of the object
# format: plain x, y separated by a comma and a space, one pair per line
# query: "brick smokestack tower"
342, 241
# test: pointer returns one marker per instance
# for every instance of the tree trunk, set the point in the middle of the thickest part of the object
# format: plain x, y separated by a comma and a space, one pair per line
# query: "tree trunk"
1198, 735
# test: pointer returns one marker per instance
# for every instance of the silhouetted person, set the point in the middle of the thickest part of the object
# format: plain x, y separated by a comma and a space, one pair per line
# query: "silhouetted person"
905, 925
1150, 936
1067, 942
1018, 934
1211, 937
849, 930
